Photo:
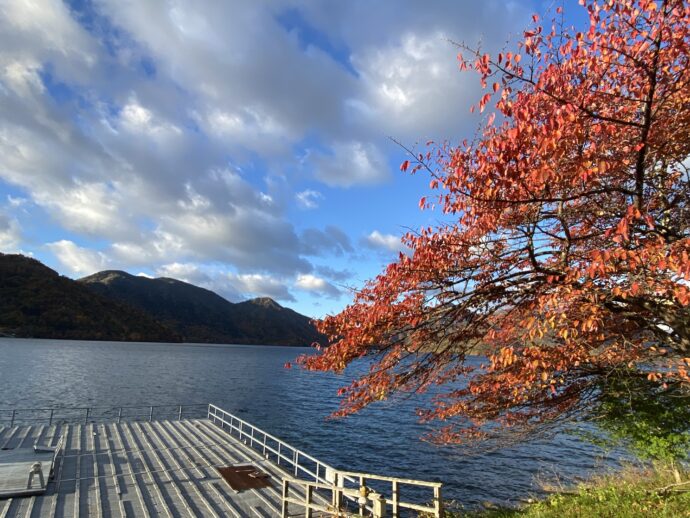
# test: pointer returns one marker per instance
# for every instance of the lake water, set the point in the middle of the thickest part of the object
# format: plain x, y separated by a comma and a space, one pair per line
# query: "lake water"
292, 404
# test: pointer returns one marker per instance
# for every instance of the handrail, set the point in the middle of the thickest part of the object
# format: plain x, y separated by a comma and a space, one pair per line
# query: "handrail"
21, 409
96, 413
333, 480
385, 478
394, 500
322, 472
307, 502
374, 502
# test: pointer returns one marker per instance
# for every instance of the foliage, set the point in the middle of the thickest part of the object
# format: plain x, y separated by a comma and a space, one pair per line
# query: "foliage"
652, 422
632, 495
566, 254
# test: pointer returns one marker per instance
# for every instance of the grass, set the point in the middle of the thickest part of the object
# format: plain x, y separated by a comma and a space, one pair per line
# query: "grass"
629, 494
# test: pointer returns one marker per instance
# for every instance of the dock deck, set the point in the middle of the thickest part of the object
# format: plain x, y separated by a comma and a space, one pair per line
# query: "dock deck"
168, 467
159, 468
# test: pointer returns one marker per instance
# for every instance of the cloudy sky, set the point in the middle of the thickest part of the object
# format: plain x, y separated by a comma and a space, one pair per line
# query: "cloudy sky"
239, 145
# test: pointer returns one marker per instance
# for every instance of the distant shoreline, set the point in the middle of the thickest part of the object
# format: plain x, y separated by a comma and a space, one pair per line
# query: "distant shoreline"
175, 344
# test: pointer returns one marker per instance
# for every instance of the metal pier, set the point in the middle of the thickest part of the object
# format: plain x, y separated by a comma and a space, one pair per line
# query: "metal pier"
127, 463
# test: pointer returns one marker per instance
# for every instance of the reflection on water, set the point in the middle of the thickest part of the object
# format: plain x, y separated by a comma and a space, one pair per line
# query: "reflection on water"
292, 404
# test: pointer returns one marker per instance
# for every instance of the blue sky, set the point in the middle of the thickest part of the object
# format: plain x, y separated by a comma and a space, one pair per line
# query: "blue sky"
240, 146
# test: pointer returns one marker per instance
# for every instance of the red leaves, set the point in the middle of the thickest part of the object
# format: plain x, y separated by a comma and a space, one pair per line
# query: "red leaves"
484, 101
569, 252
622, 231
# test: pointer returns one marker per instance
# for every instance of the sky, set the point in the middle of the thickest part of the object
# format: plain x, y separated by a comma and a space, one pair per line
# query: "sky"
247, 147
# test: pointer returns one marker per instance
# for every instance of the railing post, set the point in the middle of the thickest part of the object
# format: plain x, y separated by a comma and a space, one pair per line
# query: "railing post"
119, 414
295, 457
379, 507
264, 449
278, 460
362, 492
336, 493
179, 414
50, 419
307, 501
14, 413
395, 498
151, 415
284, 507
438, 503
86, 417
251, 438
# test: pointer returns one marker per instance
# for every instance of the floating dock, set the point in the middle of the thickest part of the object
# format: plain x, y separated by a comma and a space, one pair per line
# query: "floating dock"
218, 465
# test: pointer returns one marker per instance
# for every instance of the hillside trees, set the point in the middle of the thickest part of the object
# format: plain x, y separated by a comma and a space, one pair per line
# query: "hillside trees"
565, 257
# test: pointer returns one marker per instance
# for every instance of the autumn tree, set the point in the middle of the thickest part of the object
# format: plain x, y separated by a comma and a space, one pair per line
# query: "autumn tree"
564, 259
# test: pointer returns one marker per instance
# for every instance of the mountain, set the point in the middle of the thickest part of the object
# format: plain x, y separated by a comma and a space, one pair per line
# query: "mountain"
37, 302
200, 315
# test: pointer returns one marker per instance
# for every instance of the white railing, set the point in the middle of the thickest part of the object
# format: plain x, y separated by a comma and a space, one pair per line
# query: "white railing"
311, 475
60, 415
375, 503
292, 460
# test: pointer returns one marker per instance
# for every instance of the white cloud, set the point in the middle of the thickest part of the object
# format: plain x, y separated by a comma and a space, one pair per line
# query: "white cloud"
308, 199
256, 285
22, 77
196, 160
383, 241
46, 25
10, 234
351, 163
95, 208
138, 119
232, 286
316, 285
250, 128
330, 240
78, 260
412, 89
16, 201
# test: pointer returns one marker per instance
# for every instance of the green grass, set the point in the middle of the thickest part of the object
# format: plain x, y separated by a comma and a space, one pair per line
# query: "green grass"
624, 495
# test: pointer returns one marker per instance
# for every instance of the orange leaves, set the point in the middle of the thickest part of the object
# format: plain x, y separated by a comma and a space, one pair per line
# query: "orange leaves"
654, 376
621, 233
682, 295
565, 251
484, 101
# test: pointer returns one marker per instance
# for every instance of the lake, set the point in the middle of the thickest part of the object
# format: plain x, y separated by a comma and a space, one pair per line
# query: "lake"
251, 382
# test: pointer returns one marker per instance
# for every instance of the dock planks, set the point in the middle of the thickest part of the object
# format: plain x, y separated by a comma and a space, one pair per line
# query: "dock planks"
152, 468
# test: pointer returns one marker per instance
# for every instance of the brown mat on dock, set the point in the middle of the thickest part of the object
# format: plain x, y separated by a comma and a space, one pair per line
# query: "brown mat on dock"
244, 477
